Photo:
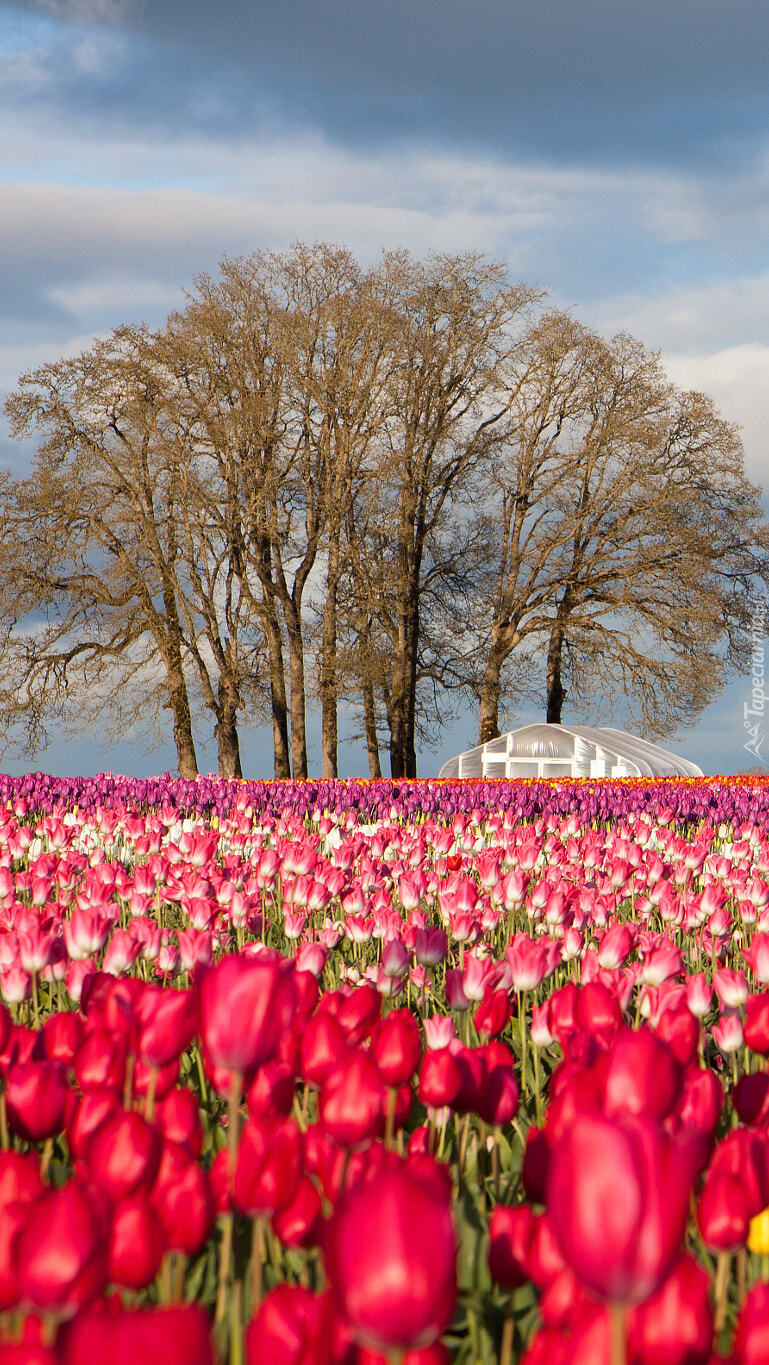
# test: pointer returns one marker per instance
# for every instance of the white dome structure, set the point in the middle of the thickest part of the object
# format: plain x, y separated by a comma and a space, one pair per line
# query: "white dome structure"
543, 750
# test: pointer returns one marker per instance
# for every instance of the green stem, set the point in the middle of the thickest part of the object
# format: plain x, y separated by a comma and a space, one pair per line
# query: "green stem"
618, 1331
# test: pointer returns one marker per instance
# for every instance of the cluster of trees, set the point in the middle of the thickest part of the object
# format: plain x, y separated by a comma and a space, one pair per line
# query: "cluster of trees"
396, 488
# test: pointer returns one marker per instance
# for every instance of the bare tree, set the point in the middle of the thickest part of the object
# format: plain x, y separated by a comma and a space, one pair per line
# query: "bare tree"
457, 319
628, 530
100, 516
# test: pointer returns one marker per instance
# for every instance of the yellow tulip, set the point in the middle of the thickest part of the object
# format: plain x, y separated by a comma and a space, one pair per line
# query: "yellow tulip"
758, 1235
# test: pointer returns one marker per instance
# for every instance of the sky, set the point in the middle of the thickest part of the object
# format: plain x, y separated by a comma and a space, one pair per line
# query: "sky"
612, 152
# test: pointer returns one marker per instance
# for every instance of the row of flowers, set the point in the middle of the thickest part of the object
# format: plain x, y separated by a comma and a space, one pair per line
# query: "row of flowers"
352, 1073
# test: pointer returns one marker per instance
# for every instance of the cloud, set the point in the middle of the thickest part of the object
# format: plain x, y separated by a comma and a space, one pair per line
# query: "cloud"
593, 81
731, 311
737, 379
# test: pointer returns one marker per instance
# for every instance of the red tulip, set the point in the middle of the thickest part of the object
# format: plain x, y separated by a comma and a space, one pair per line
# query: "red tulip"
136, 1243
723, 1217
61, 1036
61, 1251
157, 1081
545, 1261
358, 1012
101, 1060
245, 1005
756, 1029
20, 1185
322, 1046
396, 1047
155, 1336
292, 1326
751, 1343
123, 1155
618, 1196
743, 1154
680, 1029
498, 1098
168, 1022
36, 1095
439, 1078
183, 1199
700, 1102
510, 1232
391, 1260
641, 1076
471, 1064
298, 1223
271, 1093
93, 1109
493, 1014
750, 1098
597, 1010
675, 1325
269, 1165
178, 1118
352, 1101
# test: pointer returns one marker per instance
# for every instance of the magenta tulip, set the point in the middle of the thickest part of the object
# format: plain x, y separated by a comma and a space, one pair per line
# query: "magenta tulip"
391, 1259
618, 1197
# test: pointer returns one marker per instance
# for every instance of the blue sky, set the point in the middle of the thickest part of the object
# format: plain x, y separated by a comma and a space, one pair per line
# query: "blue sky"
616, 153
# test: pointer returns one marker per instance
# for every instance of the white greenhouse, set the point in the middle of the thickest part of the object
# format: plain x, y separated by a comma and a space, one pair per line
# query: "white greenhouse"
568, 751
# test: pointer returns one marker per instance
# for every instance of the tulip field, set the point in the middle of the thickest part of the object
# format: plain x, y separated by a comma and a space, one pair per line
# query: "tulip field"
352, 1073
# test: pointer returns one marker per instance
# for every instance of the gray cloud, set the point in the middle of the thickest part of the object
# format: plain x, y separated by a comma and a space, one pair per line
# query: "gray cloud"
591, 80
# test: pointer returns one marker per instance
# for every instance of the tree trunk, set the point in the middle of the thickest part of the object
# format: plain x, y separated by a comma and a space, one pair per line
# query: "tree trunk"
282, 763
409, 745
369, 720
178, 696
328, 675
491, 691
227, 739
555, 693
297, 700
397, 717
179, 703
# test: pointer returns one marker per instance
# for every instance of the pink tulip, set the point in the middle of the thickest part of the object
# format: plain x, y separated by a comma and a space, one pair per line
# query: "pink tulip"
728, 1034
